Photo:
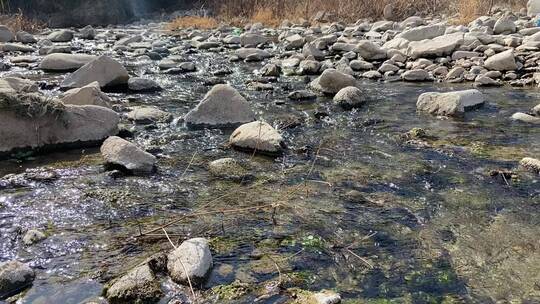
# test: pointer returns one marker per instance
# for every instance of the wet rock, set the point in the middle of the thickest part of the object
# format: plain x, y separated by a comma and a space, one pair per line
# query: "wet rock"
120, 152
252, 39
222, 106
14, 278
17, 85
65, 62
310, 50
24, 37
415, 75
87, 95
148, 115
228, 168
361, 65
6, 35
57, 124
143, 85
252, 53
105, 70
294, 42
331, 81
137, 286
526, 118
349, 97
258, 136
302, 95
326, 297
451, 103
309, 67
33, 236
191, 259
128, 40
61, 36
531, 164
536, 110
485, 81
504, 61
437, 47
270, 70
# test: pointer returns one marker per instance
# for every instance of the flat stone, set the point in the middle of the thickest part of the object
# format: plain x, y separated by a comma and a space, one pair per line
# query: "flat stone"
120, 152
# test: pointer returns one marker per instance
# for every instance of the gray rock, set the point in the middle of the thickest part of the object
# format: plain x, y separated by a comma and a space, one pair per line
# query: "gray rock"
120, 152
228, 168
14, 278
59, 124
65, 62
61, 36
253, 53
526, 118
437, 47
137, 286
533, 7
536, 110
423, 32
191, 259
128, 40
148, 115
361, 65
6, 35
350, 97
531, 164
310, 49
105, 70
17, 85
270, 70
143, 85
370, 51
252, 39
16, 47
302, 95
87, 95
222, 106
505, 25
326, 297
24, 37
504, 61
331, 81
87, 32
294, 42
257, 136
451, 103
415, 75
33, 236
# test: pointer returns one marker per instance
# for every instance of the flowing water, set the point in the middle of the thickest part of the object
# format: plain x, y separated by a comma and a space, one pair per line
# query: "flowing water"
350, 206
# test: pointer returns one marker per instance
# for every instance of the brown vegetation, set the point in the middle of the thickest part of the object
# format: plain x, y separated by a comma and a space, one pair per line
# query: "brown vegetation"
193, 22
18, 22
274, 12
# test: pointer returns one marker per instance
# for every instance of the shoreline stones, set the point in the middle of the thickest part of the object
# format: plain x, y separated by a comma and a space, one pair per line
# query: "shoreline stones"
221, 107
14, 278
191, 259
257, 136
120, 152
451, 103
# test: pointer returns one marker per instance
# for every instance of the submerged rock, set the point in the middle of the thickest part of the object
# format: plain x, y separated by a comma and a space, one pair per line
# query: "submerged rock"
105, 70
14, 278
326, 297
258, 136
143, 85
331, 81
228, 168
191, 259
350, 97
33, 121
137, 286
65, 62
222, 106
87, 95
120, 152
33, 236
526, 118
451, 103
148, 115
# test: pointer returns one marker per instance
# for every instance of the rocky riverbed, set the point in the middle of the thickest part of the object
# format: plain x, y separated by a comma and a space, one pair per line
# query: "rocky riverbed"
385, 162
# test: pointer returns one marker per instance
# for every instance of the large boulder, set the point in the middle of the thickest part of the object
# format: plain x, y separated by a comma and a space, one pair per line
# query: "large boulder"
17, 85
451, 103
191, 259
504, 61
61, 36
105, 70
139, 285
87, 95
331, 81
34, 121
222, 106
257, 136
504, 25
436, 47
65, 62
14, 278
6, 35
423, 32
120, 152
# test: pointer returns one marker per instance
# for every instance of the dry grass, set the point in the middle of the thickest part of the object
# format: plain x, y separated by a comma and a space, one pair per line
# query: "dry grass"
18, 22
195, 22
